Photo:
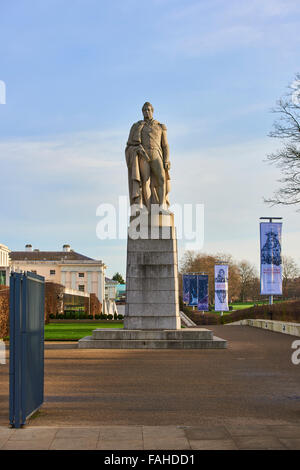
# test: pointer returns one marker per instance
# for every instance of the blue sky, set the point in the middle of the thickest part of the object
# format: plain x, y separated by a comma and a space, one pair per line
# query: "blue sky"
77, 73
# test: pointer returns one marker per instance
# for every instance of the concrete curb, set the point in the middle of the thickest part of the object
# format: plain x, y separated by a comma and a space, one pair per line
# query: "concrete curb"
287, 328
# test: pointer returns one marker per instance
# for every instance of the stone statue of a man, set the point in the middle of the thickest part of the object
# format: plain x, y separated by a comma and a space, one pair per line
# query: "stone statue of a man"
147, 157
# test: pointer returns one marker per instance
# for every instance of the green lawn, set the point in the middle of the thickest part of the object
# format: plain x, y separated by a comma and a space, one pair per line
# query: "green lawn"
242, 306
238, 306
75, 331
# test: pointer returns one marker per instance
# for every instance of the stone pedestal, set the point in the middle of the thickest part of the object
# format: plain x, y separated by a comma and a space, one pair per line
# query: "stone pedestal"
152, 319
185, 338
152, 297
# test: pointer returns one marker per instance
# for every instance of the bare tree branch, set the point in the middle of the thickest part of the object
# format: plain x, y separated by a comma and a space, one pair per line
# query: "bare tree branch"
288, 158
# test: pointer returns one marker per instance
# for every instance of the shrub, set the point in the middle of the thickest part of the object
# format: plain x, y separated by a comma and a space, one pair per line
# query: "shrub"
284, 311
95, 305
4, 312
90, 317
110, 317
120, 317
97, 317
51, 316
61, 316
53, 299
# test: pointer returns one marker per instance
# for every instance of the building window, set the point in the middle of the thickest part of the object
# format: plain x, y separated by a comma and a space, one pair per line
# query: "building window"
2, 278
81, 287
81, 274
52, 272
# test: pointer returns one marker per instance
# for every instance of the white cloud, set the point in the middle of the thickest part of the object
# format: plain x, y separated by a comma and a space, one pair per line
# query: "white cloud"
58, 183
65, 153
249, 248
216, 26
219, 40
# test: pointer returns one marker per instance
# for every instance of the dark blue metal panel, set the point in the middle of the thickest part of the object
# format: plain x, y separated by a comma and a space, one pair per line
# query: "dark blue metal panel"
27, 299
12, 307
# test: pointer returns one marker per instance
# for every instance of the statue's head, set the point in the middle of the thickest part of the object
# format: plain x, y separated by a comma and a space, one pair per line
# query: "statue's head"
147, 110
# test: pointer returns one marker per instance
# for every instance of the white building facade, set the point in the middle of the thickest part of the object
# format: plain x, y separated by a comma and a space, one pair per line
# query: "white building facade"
4, 265
67, 267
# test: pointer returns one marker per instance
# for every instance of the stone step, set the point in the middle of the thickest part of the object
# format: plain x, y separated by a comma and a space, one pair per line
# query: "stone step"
89, 343
124, 335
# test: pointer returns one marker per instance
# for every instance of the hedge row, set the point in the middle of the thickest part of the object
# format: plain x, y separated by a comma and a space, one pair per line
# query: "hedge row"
4, 311
284, 311
73, 316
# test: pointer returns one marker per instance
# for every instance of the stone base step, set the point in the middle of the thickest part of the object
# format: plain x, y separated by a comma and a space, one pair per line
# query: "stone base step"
89, 343
125, 334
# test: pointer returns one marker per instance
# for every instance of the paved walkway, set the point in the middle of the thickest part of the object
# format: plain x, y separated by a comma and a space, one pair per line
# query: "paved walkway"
229, 437
247, 395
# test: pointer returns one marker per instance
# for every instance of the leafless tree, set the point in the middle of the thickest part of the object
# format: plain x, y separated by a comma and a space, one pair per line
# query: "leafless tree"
287, 128
193, 261
290, 273
248, 280
290, 270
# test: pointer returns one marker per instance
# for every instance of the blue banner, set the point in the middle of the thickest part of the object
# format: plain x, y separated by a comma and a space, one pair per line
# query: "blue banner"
195, 290
203, 292
193, 297
270, 258
186, 288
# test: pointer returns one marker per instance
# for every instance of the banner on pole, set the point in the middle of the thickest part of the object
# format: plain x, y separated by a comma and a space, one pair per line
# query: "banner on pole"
186, 288
195, 290
270, 258
221, 288
193, 297
203, 292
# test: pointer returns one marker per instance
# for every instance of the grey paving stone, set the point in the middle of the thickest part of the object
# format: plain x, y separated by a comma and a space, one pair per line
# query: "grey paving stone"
129, 444
166, 443
206, 432
118, 433
286, 430
168, 432
36, 444
258, 443
3, 441
74, 444
291, 444
6, 432
213, 444
32, 434
84, 432
248, 430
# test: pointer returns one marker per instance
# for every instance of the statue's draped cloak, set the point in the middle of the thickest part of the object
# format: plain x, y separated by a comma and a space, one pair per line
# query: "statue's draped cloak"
132, 160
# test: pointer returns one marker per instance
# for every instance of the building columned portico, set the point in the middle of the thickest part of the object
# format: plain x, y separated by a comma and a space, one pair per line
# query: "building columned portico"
88, 277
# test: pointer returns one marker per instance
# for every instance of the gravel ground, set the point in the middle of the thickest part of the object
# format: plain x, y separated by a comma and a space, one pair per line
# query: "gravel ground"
252, 382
